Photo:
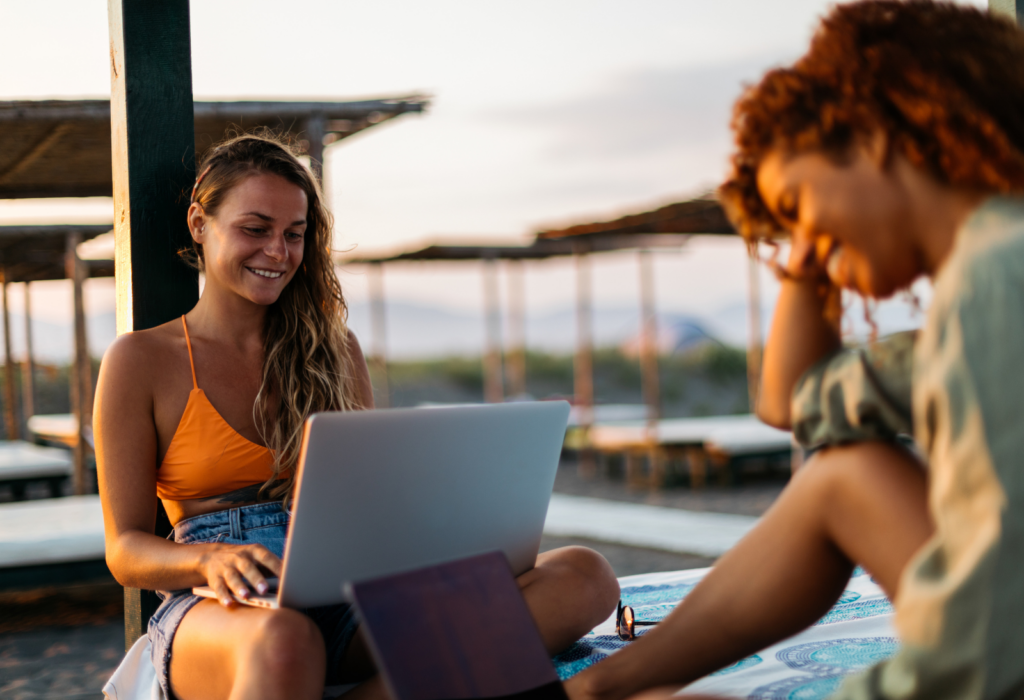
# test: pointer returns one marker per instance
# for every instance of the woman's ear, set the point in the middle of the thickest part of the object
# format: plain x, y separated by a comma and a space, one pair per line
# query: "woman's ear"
196, 222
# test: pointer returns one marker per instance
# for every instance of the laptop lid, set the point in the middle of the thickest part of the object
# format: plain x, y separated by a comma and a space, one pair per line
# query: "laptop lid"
381, 492
455, 631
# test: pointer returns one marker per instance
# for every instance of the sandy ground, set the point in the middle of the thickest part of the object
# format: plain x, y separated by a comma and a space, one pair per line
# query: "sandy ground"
65, 642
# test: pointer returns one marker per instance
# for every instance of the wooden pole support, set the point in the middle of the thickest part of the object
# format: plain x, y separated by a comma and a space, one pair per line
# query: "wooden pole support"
754, 348
81, 372
515, 358
378, 335
28, 367
316, 129
153, 152
494, 391
583, 362
11, 422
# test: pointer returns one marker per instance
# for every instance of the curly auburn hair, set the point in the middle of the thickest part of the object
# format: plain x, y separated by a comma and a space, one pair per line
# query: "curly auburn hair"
944, 82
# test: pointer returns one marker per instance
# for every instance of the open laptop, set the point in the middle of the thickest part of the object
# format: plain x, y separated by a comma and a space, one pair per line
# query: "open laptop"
382, 492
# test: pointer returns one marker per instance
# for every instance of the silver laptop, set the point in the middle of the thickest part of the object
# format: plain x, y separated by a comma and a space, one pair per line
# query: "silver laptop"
381, 492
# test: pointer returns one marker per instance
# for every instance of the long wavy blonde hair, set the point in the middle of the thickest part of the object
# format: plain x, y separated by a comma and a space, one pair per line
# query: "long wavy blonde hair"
307, 363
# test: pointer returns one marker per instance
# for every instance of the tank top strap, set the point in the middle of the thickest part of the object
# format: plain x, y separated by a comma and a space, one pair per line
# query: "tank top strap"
188, 342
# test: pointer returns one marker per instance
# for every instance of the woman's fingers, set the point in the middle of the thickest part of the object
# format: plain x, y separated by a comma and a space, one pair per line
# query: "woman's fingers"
236, 583
223, 592
267, 559
252, 573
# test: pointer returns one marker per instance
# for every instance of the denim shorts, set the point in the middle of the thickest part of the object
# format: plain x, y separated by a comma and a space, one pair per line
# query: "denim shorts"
263, 523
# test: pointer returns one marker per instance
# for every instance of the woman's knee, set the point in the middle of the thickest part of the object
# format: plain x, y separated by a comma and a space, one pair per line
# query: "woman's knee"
843, 471
286, 642
585, 572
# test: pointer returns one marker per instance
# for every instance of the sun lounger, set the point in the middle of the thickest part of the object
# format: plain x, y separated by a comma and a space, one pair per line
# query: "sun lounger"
58, 428
22, 463
691, 439
55, 540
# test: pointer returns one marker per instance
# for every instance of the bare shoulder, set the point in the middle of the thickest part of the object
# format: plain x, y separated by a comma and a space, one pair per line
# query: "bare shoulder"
140, 356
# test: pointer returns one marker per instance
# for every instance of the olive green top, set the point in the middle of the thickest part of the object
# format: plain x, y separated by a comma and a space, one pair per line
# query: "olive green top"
958, 387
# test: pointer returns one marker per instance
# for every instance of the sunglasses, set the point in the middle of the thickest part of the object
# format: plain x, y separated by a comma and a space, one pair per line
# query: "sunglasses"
626, 622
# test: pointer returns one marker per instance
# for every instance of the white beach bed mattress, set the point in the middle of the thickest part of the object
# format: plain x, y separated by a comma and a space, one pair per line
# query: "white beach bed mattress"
855, 634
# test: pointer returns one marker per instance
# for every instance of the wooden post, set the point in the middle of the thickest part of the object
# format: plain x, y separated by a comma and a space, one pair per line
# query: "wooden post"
10, 397
153, 142
754, 314
583, 362
316, 129
494, 391
515, 358
80, 370
28, 367
650, 376
378, 335
1012, 8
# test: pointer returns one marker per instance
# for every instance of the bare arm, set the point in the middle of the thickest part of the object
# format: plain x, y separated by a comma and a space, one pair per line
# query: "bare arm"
799, 336
126, 455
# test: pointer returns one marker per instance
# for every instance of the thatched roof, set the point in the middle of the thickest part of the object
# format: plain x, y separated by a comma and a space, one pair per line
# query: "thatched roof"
34, 253
58, 148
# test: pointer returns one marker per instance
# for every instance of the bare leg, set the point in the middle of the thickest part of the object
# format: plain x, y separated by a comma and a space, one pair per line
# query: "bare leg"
569, 592
249, 653
863, 503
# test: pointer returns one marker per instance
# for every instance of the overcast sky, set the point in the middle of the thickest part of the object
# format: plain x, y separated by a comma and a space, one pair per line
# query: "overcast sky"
544, 112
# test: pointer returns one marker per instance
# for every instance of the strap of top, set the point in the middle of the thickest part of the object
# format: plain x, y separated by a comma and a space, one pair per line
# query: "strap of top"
188, 342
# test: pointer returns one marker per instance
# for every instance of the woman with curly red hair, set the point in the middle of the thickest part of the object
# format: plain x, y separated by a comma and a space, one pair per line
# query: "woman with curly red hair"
893, 149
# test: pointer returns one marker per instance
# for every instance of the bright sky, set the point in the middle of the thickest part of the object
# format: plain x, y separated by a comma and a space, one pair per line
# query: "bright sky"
545, 111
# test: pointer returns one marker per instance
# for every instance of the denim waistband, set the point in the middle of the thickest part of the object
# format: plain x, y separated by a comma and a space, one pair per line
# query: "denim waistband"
232, 522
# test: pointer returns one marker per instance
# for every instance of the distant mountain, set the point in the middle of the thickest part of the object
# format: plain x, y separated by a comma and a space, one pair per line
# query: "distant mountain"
422, 331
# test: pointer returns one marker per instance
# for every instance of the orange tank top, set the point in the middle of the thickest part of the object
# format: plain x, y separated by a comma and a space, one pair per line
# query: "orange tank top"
207, 457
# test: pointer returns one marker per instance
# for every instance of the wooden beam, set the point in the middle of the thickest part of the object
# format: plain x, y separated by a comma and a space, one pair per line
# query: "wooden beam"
10, 397
153, 149
494, 391
515, 357
754, 348
34, 152
152, 142
316, 129
1011, 8
28, 367
649, 340
583, 361
378, 336
81, 372
650, 377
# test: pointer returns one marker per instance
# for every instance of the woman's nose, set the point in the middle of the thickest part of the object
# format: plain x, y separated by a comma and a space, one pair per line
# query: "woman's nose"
276, 248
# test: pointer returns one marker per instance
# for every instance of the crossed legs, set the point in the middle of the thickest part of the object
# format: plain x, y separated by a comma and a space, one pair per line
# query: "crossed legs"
864, 503
258, 654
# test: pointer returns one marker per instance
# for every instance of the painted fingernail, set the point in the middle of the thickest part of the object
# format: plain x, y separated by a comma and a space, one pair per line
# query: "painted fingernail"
262, 587
244, 593
226, 602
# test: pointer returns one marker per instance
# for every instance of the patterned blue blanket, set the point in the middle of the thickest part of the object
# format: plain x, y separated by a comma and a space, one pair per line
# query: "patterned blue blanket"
855, 634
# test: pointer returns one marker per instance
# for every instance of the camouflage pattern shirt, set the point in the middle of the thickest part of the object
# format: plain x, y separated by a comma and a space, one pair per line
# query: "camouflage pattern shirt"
957, 386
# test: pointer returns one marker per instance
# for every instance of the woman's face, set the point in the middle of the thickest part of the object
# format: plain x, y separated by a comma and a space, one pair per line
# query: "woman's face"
254, 243
850, 219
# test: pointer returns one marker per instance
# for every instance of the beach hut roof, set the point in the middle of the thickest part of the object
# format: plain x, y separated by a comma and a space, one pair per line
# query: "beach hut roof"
34, 253
62, 148
703, 215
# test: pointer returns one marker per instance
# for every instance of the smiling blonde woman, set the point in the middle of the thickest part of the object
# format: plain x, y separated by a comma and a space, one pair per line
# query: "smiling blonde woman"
205, 413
